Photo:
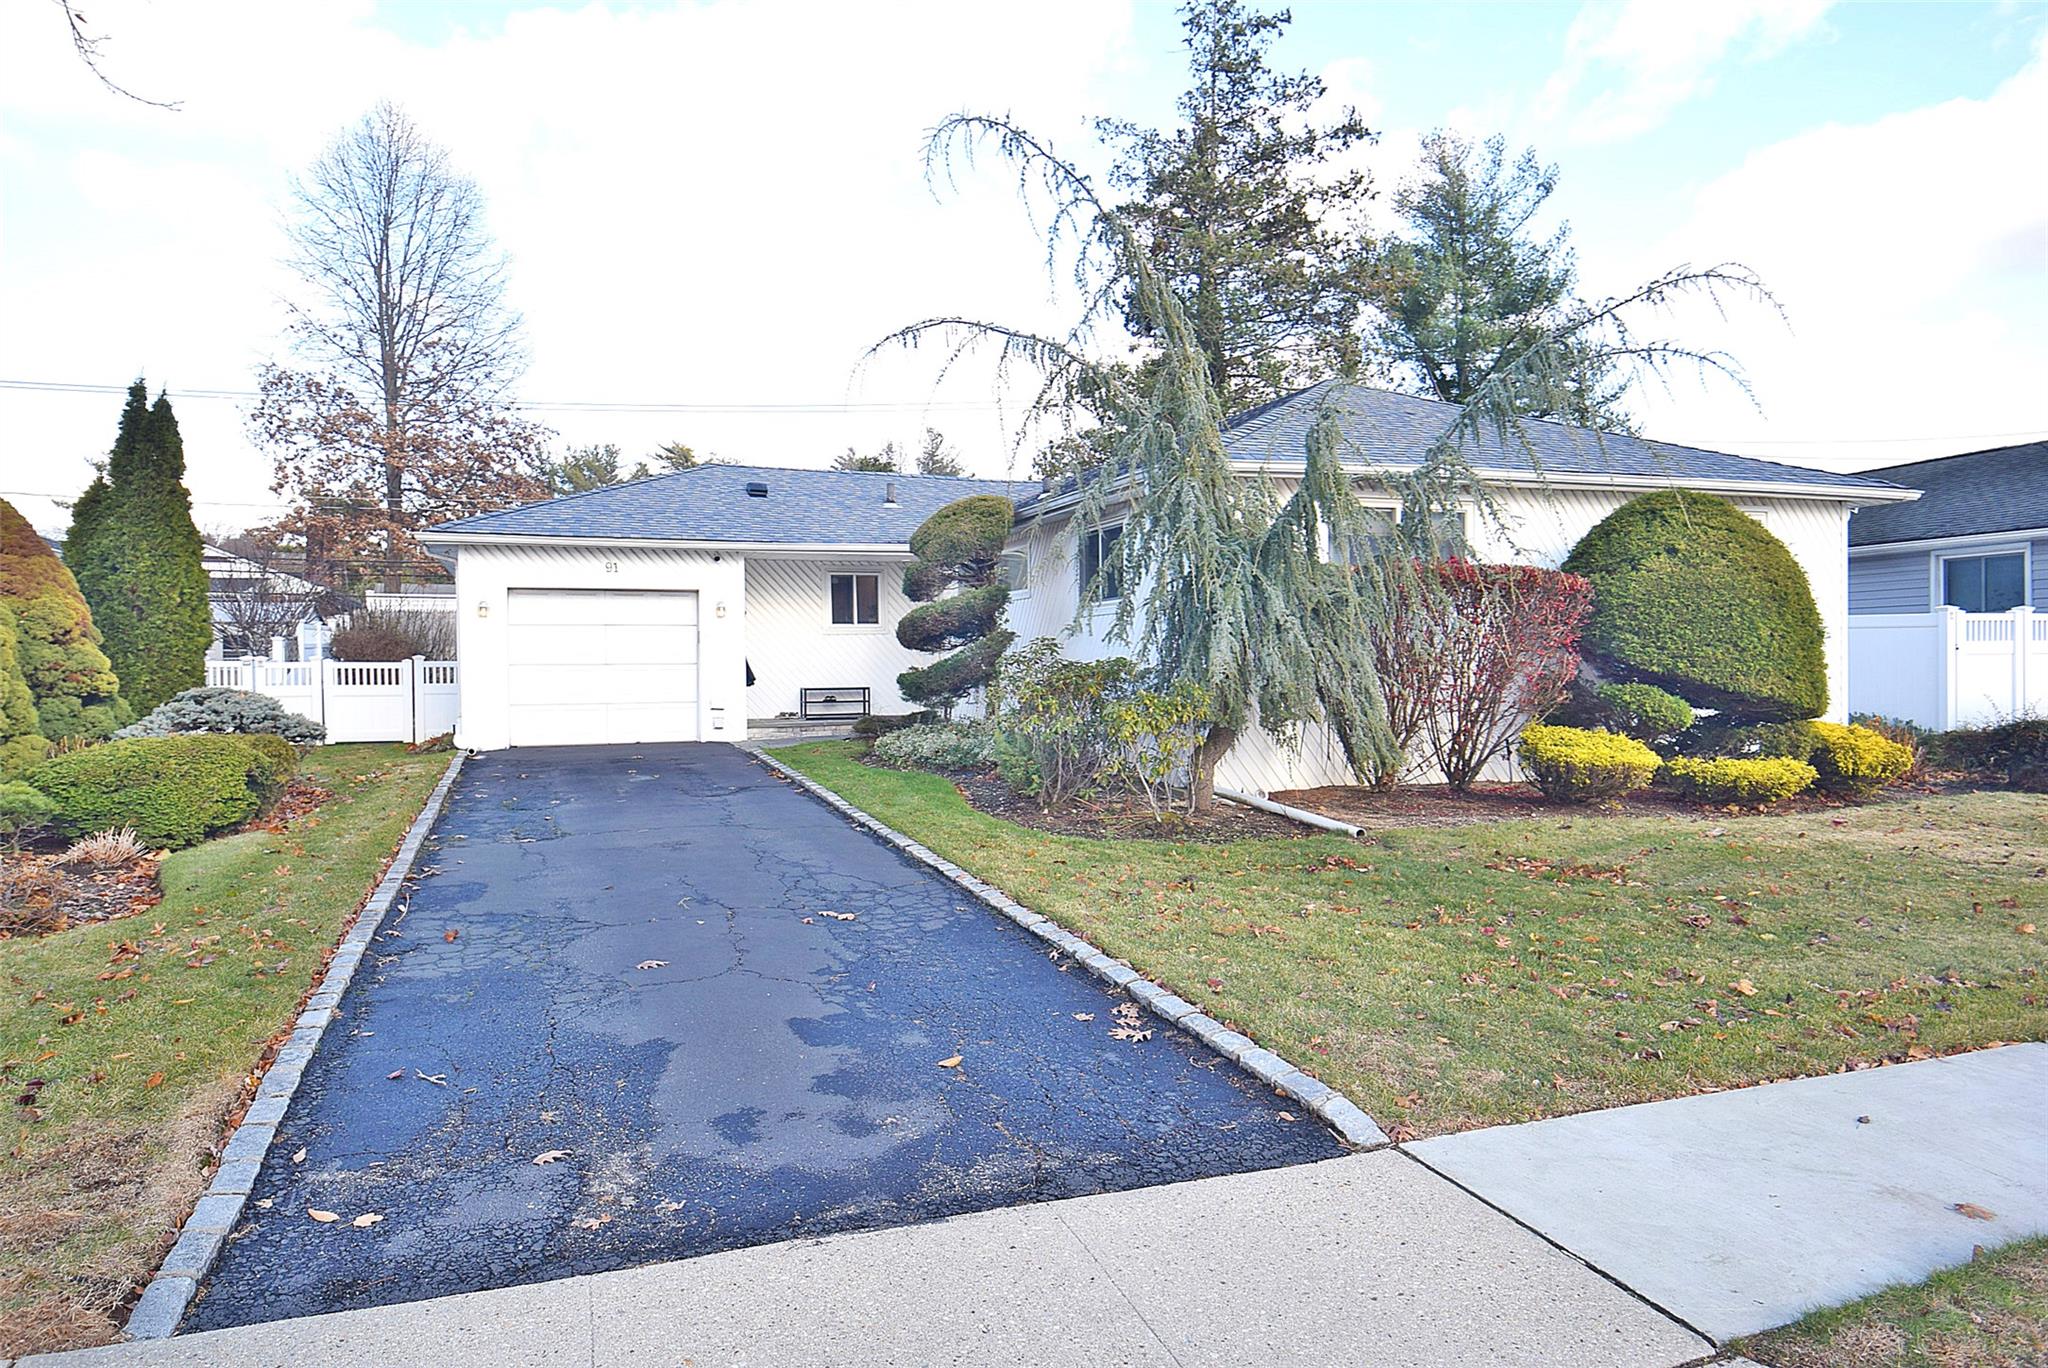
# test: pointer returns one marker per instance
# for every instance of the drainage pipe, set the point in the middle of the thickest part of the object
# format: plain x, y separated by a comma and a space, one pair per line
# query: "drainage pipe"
1302, 815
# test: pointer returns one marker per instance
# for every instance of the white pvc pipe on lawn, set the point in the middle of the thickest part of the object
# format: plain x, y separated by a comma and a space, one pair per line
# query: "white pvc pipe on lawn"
1302, 815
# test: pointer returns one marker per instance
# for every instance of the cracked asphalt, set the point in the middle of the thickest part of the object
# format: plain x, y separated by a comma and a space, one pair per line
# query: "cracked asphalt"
623, 954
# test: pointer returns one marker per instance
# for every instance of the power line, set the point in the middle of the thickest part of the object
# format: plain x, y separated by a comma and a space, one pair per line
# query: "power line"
568, 405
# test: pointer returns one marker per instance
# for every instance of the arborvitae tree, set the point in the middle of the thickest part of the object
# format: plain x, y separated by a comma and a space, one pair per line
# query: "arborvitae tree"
936, 458
75, 691
958, 546
138, 560
1246, 211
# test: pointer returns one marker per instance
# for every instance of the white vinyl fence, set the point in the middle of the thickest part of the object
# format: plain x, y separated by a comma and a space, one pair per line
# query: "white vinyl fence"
357, 700
1949, 668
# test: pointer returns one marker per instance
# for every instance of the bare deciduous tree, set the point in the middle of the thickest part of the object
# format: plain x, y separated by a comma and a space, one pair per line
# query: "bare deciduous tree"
400, 417
88, 45
259, 595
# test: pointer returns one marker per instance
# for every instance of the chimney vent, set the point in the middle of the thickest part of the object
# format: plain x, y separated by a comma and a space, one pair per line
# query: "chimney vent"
757, 489
889, 494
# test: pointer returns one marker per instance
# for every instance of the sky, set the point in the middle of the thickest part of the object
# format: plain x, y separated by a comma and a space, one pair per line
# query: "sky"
713, 211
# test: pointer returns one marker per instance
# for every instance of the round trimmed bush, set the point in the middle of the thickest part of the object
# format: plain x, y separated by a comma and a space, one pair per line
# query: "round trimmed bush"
1695, 596
1645, 711
967, 533
23, 808
1725, 779
1856, 761
172, 790
948, 622
1580, 766
235, 711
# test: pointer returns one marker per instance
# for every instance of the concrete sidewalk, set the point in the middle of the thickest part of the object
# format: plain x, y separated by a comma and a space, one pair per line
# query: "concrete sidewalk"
1365, 1259
1740, 1211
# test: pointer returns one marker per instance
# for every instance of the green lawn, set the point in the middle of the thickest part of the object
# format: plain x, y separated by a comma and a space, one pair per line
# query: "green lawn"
145, 1029
1990, 1313
1452, 978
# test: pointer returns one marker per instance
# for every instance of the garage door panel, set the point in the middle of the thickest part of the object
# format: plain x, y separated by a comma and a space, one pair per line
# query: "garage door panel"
668, 644
595, 667
567, 641
650, 684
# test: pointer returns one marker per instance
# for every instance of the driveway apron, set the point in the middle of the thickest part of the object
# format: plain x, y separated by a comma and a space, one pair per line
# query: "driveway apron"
652, 1002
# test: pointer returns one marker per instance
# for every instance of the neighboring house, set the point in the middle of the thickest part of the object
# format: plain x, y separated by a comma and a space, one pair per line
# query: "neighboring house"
1975, 539
1947, 593
255, 605
677, 608
641, 612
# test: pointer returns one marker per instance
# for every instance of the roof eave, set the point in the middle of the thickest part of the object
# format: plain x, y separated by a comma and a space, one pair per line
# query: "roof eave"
461, 539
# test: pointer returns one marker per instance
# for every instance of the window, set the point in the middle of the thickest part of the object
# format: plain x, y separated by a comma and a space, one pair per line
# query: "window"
1446, 535
1357, 551
1013, 572
1099, 553
856, 600
1984, 584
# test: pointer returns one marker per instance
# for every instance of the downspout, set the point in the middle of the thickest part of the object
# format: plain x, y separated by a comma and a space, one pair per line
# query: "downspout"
1302, 815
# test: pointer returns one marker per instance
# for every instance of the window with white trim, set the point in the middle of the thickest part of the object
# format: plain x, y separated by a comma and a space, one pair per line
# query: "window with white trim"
1013, 572
1099, 553
856, 600
1380, 536
1990, 583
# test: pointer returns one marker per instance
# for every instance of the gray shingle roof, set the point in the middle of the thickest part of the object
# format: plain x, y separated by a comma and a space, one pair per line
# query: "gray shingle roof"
2000, 490
1391, 430
710, 503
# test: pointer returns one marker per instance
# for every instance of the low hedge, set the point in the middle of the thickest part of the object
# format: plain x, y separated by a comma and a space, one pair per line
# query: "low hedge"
1578, 765
941, 746
173, 790
1856, 761
2017, 749
1724, 779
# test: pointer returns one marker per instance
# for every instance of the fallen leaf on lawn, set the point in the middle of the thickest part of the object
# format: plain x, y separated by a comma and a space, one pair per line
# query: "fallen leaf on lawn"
551, 1156
299, 1158
323, 1217
950, 1062
652, 964
2026, 928
1744, 987
366, 1220
153, 1079
450, 934
1974, 1212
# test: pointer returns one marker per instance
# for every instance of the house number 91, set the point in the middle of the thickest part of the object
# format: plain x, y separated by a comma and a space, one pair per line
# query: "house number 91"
611, 567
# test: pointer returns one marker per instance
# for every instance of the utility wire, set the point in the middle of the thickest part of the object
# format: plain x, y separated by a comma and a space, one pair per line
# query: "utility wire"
564, 405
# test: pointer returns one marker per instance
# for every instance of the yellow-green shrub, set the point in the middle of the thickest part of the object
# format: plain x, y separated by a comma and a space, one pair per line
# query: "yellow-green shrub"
1579, 765
1857, 761
1724, 779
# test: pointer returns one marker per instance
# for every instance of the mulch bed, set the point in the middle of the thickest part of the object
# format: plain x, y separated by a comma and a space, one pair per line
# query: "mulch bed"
1123, 819
40, 894
1437, 805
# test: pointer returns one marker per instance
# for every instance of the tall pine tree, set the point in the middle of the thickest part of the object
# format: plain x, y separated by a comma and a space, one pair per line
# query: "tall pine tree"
136, 554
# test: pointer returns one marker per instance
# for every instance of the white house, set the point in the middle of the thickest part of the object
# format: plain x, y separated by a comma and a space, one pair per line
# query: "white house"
641, 612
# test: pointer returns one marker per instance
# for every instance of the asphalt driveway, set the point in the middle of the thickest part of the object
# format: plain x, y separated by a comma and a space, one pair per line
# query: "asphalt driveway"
628, 960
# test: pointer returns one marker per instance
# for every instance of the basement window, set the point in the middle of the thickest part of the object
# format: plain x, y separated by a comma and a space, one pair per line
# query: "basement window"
856, 600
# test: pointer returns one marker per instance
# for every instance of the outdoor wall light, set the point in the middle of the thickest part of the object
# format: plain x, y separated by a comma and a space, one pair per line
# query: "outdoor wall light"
483, 609
719, 610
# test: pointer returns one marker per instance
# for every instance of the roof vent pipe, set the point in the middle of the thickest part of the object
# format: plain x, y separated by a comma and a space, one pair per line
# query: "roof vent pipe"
757, 489
889, 494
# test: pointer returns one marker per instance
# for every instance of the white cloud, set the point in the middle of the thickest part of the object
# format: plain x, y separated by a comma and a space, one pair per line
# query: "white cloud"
1911, 254
719, 203
1628, 65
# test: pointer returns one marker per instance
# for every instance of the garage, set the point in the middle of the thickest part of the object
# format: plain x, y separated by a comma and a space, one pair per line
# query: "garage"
601, 667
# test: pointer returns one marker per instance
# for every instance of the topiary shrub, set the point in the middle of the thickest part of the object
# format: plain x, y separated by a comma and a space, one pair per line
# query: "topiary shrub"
173, 790
1753, 782
1644, 711
941, 746
21, 738
1737, 740
961, 545
75, 692
1580, 766
1695, 596
234, 711
1856, 761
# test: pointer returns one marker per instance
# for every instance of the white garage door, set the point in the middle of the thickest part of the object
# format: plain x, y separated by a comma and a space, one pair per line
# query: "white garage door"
601, 666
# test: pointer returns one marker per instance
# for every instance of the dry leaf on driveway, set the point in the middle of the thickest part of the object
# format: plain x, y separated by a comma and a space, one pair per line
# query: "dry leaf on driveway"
551, 1156
1974, 1212
841, 916
323, 1217
450, 934
299, 1157
950, 1062
652, 964
366, 1220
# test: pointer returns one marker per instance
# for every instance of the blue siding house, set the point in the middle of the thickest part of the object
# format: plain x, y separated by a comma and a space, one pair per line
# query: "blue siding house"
1975, 539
